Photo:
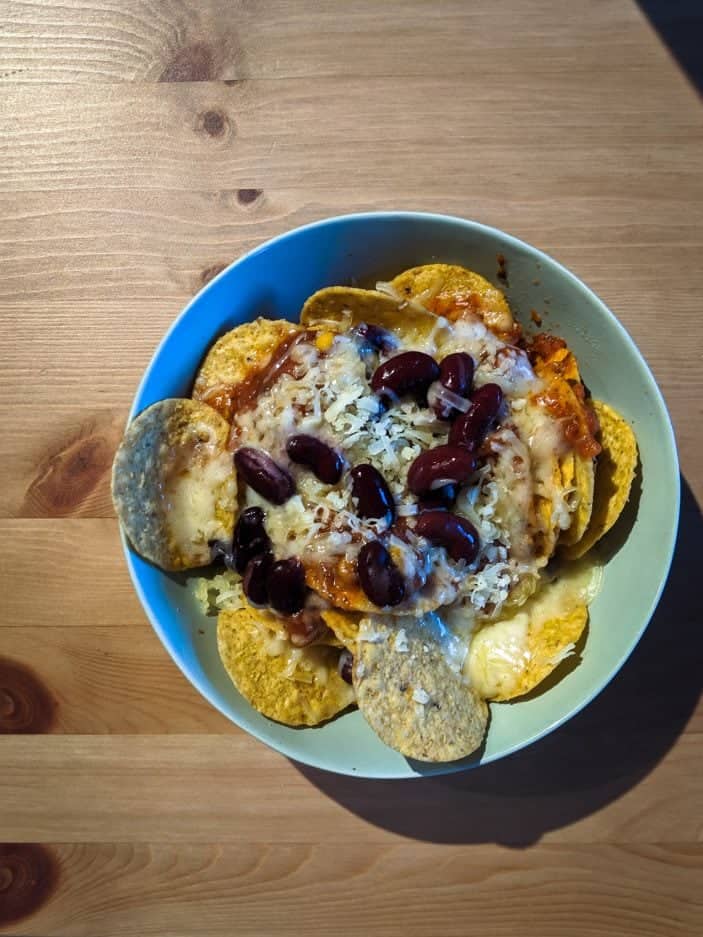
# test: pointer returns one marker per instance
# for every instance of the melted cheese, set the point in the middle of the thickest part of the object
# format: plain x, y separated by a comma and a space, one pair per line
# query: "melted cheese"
500, 651
328, 394
194, 497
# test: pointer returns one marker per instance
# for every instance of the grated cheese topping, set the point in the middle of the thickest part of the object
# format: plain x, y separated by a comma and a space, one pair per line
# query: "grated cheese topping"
328, 395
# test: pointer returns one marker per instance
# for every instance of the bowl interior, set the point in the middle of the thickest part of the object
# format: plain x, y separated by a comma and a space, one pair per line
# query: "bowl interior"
274, 281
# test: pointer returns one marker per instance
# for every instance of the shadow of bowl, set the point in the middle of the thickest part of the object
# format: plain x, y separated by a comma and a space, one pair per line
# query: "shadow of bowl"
583, 766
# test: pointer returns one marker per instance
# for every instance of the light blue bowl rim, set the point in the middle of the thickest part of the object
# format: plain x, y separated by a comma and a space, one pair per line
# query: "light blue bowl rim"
669, 443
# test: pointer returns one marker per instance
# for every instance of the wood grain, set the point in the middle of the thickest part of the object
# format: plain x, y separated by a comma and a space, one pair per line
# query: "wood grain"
144, 144
199, 789
594, 891
171, 41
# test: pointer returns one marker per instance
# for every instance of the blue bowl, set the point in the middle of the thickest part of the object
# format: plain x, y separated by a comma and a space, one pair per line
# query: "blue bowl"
274, 280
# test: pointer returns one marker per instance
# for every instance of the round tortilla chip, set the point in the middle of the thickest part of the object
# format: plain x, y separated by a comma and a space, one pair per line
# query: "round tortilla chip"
173, 483
411, 691
614, 474
510, 657
583, 480
236, 357
341, 307
504, 665
344, 625
452, 291
295, 686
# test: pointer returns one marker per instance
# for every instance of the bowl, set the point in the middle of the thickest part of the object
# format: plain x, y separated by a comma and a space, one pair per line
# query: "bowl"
274, 280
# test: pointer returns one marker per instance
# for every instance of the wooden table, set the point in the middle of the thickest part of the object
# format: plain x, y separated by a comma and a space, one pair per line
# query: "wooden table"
147, 143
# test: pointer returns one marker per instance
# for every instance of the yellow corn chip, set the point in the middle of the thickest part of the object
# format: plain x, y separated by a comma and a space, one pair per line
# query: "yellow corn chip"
295, 686
614, 474
452, 291
583, 481
235, 358
510, 657
341, 307
345, 626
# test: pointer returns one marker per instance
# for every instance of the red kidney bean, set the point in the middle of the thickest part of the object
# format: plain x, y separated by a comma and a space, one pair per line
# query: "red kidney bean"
265, 476
458, 536
409, 372
380, 578
372, 494
286, 586
378, 338
220, 550
326, 463
249, 540
443, 497
255, 582
449, 464
456, 373
345, 665
469, 429
305, 627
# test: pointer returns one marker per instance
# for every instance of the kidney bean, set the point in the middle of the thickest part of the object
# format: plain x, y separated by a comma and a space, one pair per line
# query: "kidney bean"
249, 540
409, 372
448, 464
286, 586
380, 578
457, 535
220, 550
326, 463
344, 665
305, 627
456, 373
378, 338
372, 494
255, 582
265, 476
469, 429
443, 497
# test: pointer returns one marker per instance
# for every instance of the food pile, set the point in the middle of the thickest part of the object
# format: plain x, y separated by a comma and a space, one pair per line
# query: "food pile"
397, 496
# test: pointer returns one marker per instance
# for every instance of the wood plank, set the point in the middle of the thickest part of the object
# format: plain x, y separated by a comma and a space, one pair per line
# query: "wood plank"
388, 891
80, 581
199, 788
301, 132
98, 680
67, 41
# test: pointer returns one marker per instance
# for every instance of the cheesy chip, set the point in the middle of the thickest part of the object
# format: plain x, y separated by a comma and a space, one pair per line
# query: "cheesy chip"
235, 358
615, 472
344, 625
341, 307
173, 483
451, 291
582, 479
295, 686
512, 656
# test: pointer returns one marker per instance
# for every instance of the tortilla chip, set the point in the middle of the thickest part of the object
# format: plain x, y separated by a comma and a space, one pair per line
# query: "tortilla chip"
173, 483
336, 581
566, 399
614, 474
510, 657
236, 357
452, 291
341, 307
409, 692
344, 625
583, 481
295, 686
